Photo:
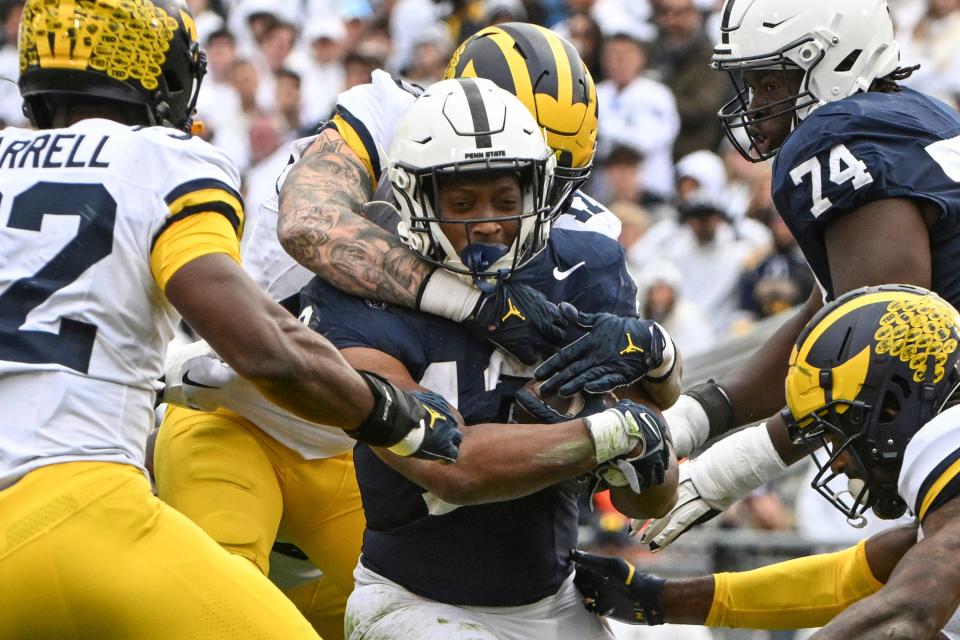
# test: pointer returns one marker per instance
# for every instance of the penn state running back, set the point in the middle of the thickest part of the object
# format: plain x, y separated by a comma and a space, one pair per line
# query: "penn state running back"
367, 260
471, 170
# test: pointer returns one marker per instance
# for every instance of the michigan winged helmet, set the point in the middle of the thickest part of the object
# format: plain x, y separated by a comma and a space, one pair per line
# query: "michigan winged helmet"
141, 52
546, 73
865, 375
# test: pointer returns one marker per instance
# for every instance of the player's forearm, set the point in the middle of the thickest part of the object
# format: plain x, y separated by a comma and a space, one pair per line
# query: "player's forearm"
320, 227
755, 388
687, 600
291, 365
880, 617
666, 392
503, 462
312, 380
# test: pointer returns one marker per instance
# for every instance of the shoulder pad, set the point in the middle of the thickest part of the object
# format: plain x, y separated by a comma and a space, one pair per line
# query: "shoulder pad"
598, 251
586, 214
189, 157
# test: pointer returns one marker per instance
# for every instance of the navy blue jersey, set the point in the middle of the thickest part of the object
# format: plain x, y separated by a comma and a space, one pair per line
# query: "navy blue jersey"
873, 146
500, 554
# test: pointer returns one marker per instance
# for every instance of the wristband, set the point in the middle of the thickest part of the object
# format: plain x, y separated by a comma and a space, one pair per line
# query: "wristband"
383, 427
735, 466
411, 442
447, 295
663, 372
649, 588
716, 403
613, 433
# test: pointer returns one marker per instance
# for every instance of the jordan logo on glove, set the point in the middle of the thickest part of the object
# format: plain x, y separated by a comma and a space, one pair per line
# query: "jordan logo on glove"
434, 416
512, 311
631, 348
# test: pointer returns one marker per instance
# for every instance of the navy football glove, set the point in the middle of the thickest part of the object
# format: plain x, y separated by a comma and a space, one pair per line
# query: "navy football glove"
520, 320
419, 424
649, 468
612, 587
442, 436
616, 352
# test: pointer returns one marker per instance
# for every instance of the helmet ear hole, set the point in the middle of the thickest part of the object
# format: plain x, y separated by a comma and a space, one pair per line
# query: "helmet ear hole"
847, 63
173, 81
889, 408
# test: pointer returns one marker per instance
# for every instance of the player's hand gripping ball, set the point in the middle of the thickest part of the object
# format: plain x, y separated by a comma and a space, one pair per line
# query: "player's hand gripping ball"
530, 406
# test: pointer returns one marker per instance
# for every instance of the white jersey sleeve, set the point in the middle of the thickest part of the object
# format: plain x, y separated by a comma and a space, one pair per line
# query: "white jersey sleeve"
264, 259
930, 474
366, 118
371, 112
83, 321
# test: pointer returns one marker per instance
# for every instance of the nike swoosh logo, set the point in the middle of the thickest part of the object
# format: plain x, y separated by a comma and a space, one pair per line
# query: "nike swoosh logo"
563, 275
186, 380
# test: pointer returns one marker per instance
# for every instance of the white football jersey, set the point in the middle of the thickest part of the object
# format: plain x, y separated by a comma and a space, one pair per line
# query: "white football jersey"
931, 464
83, 323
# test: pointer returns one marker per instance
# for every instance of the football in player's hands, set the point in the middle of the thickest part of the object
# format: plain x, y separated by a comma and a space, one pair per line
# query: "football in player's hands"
530, 406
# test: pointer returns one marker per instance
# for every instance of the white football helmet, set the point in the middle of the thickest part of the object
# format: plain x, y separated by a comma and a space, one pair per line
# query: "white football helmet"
841, 46
469, 126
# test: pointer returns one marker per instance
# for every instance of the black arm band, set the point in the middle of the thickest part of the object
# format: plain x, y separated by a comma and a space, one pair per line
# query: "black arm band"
716, 404
394, 414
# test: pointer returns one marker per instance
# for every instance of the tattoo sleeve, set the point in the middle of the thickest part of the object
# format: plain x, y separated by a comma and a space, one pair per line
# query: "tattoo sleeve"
321, 228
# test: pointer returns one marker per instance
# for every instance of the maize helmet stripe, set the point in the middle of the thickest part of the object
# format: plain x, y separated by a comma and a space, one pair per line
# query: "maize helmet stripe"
542, 65
490, 60
546, 73
478, 113
560, 73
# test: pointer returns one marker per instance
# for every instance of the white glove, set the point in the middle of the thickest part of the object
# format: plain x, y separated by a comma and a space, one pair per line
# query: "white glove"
195, 377
710, 483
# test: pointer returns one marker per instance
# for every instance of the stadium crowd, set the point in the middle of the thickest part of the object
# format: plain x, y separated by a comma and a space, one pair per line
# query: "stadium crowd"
705, 244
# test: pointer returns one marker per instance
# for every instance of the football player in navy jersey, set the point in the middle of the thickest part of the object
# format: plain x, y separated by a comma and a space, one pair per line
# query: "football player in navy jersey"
865, 176
291, 469
342, 165
442, 550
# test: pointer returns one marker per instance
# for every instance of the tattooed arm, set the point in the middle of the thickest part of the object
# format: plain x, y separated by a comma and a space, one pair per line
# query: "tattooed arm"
321, 228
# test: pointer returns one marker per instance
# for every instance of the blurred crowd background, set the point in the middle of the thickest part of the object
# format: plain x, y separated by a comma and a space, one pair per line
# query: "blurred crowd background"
710, 254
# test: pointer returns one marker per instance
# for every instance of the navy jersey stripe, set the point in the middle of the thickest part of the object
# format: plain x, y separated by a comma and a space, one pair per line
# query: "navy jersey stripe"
365, 138
205, 207
199, 185
932, 477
